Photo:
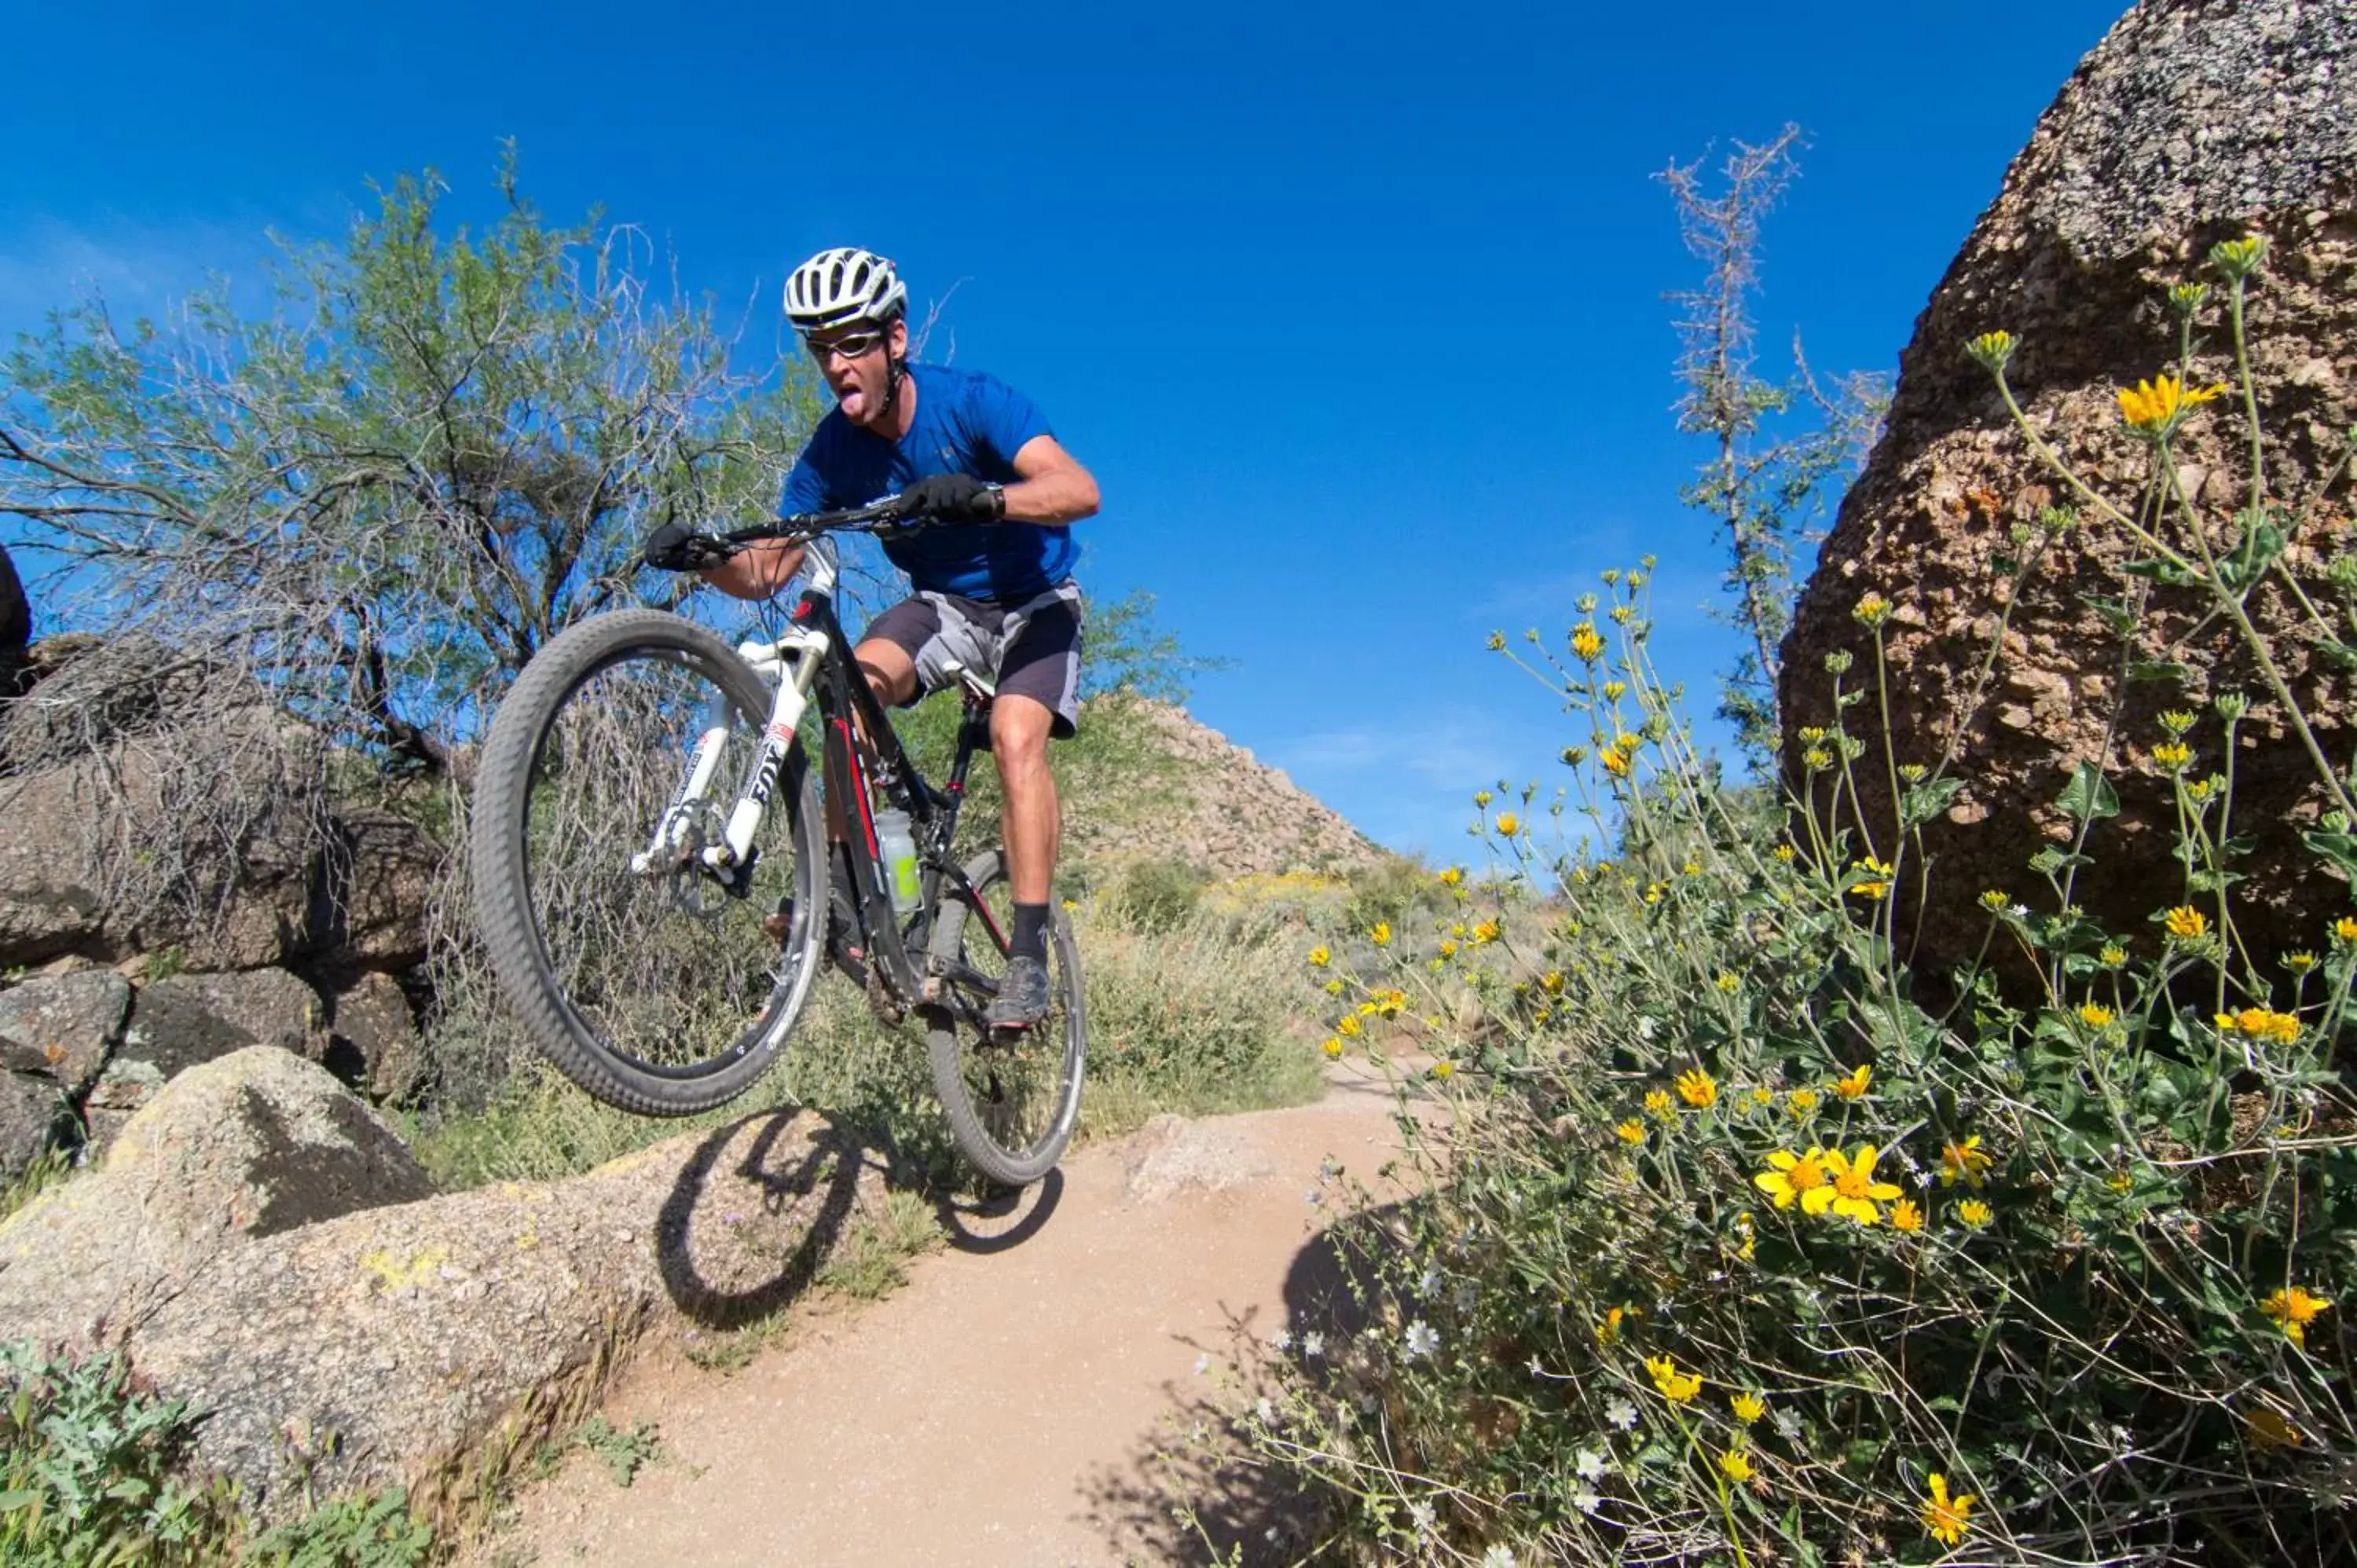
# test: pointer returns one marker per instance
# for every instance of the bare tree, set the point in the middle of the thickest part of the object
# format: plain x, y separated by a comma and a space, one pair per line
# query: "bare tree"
427, 456
1762, 488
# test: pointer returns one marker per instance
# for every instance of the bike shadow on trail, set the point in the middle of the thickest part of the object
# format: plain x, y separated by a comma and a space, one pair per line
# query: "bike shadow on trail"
1190, 1493
1001, 1219
755, 1212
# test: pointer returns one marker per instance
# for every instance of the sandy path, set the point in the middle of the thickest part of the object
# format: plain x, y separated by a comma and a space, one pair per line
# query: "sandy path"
998, 1409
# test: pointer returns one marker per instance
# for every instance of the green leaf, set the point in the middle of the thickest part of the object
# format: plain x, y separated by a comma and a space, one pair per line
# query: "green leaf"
2335, 652
1928, 800
2262, 541
2158, 670
2341, 849
2116, 616
2168, 571
2089, 795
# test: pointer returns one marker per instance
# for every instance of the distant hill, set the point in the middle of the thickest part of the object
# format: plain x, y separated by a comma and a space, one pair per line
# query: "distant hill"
1197, 798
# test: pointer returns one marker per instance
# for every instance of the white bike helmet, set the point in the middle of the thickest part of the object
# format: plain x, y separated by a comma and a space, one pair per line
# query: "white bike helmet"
837, 287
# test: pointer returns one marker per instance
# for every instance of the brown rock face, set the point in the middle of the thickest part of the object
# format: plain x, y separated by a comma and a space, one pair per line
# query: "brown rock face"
2191, 124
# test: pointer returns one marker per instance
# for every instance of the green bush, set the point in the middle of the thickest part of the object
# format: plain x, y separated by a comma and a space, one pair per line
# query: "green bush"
1731, 1250
1161, 895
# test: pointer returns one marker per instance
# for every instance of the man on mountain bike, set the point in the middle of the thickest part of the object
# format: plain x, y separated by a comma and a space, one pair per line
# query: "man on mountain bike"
992, 580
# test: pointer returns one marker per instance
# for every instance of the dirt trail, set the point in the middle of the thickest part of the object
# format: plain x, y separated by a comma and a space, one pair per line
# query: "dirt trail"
1000, 1407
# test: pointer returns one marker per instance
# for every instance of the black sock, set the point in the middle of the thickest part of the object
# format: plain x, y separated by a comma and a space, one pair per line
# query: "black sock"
1030, 939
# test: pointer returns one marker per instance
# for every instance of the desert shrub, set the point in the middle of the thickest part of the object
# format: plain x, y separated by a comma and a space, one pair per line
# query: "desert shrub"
1733, 1249
1161, 894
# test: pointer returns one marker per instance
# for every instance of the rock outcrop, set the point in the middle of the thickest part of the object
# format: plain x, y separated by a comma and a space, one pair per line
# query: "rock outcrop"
261, 1244
2195, 121
1222, 811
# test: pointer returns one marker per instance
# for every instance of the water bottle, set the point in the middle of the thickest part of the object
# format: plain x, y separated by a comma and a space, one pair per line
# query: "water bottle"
899, 853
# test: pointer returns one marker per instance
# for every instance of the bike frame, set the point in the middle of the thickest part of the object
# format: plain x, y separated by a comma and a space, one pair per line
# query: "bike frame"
809, 661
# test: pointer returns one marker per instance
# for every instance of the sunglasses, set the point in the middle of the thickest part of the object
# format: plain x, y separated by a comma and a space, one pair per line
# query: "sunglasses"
850, 345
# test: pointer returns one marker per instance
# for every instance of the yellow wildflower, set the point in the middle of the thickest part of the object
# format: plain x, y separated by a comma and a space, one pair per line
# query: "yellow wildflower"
1975, 1213
2299, 963
1800, 1177
1677, 1387
1607, 1332
2113, 957
2177, 721
1804, 1104
2260, 1023
1747, 1407
1487, 931
1585, 642
1319, 956
1811, 734
1872, 610
1552, 982
1693, 867
1785, 854
2186, 922
1333, 1045
2153, 406
1855, 1192
1449, 950
1631, 1132
1382, 933
1442, 1067
2295, 1309
1879, 870
1734, 1465
1657, 1100
2096, 1015
2173, 756
1994, 900
1508, 824
1992, 350
1946, 1517
1615, 690
1818, 759
1854, 1086
1452, 876
1615, 760
1905, 1216
1698, 1089
1763, 1097
1727, 983
2344, 929
1347, 1025
1965, 1160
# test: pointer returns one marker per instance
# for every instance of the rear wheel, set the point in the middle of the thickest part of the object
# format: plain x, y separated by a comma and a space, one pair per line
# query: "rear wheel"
1012, 1097
646, 979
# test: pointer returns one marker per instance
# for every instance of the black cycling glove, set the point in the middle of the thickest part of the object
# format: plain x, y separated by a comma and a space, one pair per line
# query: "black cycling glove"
675, 547
954, 497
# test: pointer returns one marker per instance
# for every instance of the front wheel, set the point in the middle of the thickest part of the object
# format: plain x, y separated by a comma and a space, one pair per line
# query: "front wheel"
652, 982
1012, 1098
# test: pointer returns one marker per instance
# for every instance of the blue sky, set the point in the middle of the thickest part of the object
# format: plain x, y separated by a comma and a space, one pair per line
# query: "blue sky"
1355, 311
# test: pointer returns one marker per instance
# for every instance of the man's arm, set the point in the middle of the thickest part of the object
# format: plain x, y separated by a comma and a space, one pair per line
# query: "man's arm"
756, 573
1053, 486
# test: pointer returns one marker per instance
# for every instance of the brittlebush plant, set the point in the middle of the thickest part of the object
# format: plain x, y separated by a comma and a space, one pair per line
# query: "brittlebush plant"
1728, 1251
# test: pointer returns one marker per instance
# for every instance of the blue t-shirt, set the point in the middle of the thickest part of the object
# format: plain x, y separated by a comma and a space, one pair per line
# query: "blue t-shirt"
966, 423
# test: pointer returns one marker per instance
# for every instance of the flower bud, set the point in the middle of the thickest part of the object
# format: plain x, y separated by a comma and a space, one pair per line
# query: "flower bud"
1991, 350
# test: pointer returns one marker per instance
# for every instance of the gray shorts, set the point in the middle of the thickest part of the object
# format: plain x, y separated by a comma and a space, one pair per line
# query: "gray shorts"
1031, 648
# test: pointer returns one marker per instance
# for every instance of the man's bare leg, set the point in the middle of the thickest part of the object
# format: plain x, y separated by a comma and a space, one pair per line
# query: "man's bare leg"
1018, 741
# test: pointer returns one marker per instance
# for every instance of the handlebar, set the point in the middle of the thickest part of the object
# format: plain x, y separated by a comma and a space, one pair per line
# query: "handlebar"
882, 517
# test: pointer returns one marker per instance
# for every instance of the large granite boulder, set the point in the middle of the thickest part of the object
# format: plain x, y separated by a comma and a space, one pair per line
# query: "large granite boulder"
252, 1145
2194, 121
259, 1244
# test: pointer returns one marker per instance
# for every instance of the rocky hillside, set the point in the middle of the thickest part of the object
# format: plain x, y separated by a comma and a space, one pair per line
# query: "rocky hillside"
1208, 803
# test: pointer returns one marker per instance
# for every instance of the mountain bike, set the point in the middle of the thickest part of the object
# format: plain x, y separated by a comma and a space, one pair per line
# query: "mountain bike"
659, 879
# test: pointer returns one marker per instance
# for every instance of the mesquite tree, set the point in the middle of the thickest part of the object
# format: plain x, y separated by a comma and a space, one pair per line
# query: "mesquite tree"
432, 450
